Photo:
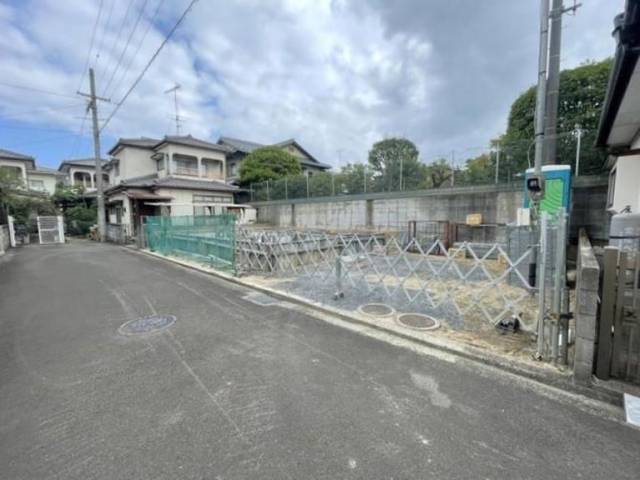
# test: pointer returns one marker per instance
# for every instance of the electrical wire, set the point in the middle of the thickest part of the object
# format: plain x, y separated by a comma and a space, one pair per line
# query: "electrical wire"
112, 50
38, 90
151, 60
102, 38
40, 110
126, 46
93, 36
135, 54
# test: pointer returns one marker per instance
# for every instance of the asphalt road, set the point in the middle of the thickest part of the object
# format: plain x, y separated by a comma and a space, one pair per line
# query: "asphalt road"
235, 390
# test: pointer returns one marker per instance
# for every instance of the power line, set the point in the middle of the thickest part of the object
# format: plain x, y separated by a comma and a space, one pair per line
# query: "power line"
104, 34
93, 36
40, 110
126, 46
38, 90
151, 60
135, 54
117, 37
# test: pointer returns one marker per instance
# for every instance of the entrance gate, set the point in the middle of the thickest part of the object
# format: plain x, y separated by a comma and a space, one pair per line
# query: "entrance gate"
50, 230
619, 329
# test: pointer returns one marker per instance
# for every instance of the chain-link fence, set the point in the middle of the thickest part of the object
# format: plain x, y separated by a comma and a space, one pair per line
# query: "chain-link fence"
209, 238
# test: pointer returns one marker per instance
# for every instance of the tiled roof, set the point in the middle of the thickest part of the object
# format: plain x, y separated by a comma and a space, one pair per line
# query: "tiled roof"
244, 146
82, 162
190, 141
45, 170
153, 182
13, 155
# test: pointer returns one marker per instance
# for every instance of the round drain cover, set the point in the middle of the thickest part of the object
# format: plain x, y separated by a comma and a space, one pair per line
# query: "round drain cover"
418, 321
376, 310
150, 324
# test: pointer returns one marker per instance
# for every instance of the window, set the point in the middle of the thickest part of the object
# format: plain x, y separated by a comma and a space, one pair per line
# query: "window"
36, 185
160, 164
212, 168
15, 172
116, 169
186, 165
208, 199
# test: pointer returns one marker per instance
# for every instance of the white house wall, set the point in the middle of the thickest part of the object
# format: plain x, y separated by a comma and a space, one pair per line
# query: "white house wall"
15, 163
49, 181
627, 183
186, 196
133, 162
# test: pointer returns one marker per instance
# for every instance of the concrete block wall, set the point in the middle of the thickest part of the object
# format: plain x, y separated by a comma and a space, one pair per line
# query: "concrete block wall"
586, 309
497, 204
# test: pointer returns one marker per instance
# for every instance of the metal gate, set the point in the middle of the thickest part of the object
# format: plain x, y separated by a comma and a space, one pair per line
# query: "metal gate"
50, 230
619, 329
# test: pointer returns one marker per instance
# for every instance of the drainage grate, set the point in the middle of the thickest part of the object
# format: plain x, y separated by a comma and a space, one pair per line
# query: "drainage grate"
418, 321
376, 310
150, 324
261, 299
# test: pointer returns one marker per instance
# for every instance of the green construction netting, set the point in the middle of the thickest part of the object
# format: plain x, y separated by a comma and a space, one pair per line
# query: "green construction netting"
208, 238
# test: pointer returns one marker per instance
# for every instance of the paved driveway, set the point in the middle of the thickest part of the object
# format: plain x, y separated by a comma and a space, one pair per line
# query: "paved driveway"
238, 390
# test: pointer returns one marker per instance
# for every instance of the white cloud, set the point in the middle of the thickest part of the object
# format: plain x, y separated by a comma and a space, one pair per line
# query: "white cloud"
336, 75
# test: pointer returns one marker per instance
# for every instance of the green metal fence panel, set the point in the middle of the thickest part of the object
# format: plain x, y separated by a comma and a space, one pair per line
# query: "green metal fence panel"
209, 238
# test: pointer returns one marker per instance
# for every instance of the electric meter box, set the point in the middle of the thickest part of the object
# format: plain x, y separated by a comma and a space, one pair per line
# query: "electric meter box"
557, 188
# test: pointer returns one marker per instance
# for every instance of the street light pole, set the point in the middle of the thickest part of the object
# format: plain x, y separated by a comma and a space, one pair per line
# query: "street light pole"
578, 131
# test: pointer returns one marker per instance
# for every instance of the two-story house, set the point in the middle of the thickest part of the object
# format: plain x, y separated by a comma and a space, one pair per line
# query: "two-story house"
175, 175
239, 149
34, 178
82, 171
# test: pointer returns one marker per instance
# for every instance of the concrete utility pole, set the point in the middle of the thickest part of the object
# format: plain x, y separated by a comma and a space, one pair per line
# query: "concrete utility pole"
497, 161
542, 86
553, 84
93, 106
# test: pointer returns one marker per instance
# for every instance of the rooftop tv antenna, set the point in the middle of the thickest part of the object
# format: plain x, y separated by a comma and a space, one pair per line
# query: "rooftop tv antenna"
175, 89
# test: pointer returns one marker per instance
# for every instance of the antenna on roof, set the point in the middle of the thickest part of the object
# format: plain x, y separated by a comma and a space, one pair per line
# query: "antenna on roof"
175, 89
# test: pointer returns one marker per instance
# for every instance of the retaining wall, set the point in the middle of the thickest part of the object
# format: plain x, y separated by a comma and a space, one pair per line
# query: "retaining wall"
496, 203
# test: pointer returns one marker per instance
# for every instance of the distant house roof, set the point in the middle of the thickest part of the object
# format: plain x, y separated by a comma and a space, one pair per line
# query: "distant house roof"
620, 118
190, 141
9, 155
46, 171
245, 146
80, 162
153, 182
154, 143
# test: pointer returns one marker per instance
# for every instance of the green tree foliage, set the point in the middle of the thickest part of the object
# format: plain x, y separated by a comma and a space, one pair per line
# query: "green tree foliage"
79, 212
268, 163
351, 179
436, 174
389, 158
582, 93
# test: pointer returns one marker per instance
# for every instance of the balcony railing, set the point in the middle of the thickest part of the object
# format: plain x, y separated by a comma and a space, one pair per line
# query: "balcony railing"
188, 171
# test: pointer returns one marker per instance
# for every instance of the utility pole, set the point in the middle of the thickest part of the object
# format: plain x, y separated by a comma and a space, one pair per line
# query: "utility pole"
541, 93
93, 106
174, 90
497, 161
553, 83
578, 132
453, 168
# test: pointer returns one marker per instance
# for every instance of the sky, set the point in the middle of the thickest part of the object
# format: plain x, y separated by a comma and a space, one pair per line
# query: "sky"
336, 75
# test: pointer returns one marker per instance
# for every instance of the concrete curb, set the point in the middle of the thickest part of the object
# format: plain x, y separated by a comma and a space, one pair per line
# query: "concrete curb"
546, 376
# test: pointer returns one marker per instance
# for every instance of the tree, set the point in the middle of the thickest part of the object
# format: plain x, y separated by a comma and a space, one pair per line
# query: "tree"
268, 163
436, 174
351, 179
582, 93
394, 159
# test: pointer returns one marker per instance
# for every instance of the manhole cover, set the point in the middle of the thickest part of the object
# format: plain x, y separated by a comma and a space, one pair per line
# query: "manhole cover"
418, 321
150, 324
376, 310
